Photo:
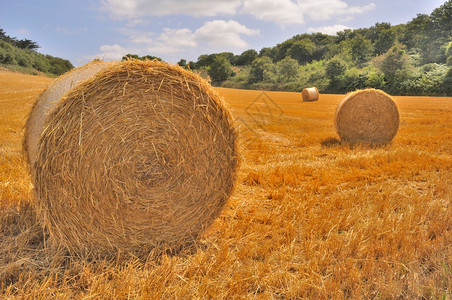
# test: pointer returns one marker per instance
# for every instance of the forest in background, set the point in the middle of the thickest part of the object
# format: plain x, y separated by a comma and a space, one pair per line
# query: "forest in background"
407, 59
22, 56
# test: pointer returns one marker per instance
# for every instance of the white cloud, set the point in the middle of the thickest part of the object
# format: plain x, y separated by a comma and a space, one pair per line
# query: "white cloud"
218, 34
136, 22
224, 34
282, 12
114, 52
279, 12
172, 41
63, 30
23, 31
321, 10
142, 8
331, 30
137, 36
67, 31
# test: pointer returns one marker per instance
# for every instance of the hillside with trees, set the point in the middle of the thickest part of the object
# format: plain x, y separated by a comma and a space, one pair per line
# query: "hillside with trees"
407, 59
22, 55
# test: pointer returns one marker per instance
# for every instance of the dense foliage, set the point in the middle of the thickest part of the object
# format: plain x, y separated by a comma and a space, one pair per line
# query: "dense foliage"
135, 56
408, 59
21, 55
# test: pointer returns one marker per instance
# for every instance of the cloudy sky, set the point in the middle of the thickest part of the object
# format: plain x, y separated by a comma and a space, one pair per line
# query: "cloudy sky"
80, 30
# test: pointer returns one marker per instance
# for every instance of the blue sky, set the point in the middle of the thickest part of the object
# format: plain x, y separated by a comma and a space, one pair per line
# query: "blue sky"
81, 30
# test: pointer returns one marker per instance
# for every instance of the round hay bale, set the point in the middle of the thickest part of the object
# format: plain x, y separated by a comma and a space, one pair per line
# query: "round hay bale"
367, 116
310, 94
47, 101
138, 155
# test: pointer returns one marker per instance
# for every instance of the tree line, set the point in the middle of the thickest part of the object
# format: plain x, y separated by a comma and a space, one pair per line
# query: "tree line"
407, 59
21, 55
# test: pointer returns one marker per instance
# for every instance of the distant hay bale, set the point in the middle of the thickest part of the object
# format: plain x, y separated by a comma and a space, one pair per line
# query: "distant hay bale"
310, 94
367, 116
137, 155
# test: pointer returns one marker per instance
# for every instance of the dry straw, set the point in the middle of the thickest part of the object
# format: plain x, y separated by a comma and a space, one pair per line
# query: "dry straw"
139, 155
47, 101
367, 116
310, 94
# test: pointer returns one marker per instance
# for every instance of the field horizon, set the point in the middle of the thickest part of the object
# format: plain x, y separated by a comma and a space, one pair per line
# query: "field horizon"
310, 217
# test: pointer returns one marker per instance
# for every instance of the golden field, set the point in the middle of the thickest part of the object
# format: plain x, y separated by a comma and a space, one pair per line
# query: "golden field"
310, 218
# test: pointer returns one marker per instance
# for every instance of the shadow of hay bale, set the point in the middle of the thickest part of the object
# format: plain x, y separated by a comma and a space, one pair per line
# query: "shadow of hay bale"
330, 142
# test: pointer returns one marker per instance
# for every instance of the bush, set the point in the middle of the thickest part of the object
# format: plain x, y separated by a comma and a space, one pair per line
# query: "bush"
427, 80
447, 83
29, 59
262, 69
220, 69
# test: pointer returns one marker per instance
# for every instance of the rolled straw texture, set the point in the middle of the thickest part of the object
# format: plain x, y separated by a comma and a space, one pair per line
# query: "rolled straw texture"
367, 116
139, 155
310, 94
47, 101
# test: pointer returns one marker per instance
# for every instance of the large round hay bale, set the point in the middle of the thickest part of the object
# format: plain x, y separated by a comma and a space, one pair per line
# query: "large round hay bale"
310, 94
47, 101
139, 154
367, 116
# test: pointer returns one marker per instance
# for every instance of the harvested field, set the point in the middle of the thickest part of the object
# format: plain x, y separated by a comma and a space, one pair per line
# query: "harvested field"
309, 217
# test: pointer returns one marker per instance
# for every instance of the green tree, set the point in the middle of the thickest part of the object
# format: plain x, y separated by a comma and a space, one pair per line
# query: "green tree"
415, 35
394, 61
373, 32
287, 68
441, 19
58, 65
448, 54
151, 57
334, 70
7, 53
191, 65
259, 67
130, 56
449, 49
220, 69
302, 50
375, 79
229, 56
266, 51
361, 49
136, 56
353, 79
282, 50
447, 83
246, 57
395, 64
344, 35
205, 60
182, 62
385, 40
323, 43
27, 44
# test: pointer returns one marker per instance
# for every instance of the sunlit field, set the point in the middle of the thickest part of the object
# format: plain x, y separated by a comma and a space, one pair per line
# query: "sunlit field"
309, 217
